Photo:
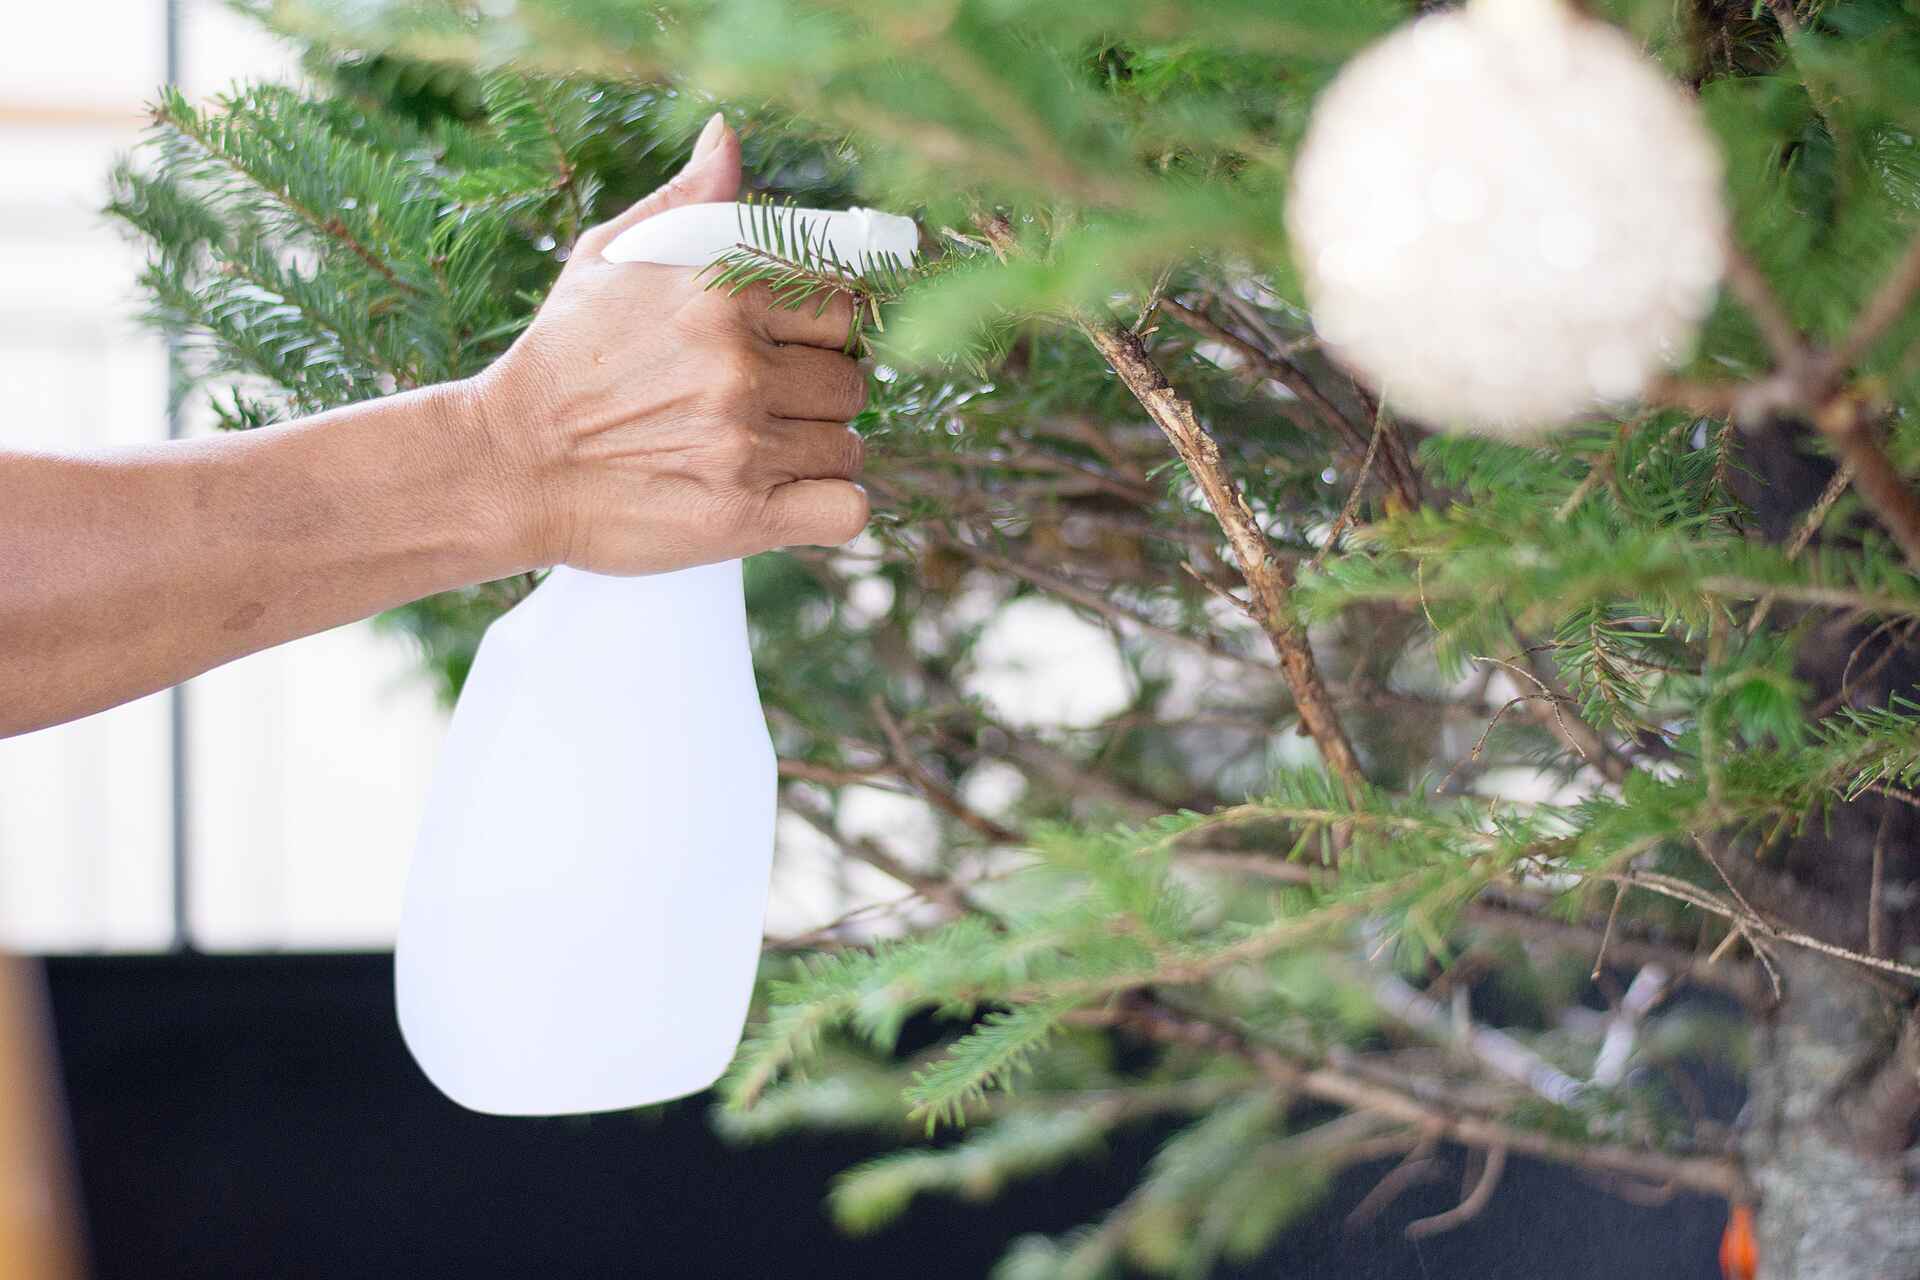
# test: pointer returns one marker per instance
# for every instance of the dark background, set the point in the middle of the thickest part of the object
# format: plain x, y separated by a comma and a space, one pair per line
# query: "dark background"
258, 1116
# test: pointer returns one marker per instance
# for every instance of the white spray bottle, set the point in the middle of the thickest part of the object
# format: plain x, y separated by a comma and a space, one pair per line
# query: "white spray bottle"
583, 913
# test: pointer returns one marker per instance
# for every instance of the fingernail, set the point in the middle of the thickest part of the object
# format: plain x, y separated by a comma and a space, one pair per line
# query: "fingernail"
709, 139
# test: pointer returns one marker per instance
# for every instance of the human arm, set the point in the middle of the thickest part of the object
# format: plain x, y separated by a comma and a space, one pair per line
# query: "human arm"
642, 424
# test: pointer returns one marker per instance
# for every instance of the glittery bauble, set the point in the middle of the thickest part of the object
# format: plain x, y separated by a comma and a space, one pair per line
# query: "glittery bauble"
1507, 216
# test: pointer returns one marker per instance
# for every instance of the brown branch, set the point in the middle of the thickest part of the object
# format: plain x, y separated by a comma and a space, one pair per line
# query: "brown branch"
1814, 382
1303, 390
1888, 303
1269, 366
1418, 1167
1782, 336
1850, 425
1586, 741
1090, 598
827, 776
1269, 578
1259, 866
1352, 504
1848, 682
1709, 1175
1505, 914
1754, 926
932, 887
935, 792
1468, 1209
1815, 517
1518, 915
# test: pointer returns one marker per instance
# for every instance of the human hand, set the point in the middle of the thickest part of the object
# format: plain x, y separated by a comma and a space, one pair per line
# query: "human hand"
644, 423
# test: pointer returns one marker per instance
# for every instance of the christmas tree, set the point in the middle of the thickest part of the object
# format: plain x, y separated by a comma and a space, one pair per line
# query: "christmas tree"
1474, 793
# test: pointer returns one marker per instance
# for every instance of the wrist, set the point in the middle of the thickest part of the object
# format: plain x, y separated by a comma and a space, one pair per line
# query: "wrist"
495, 434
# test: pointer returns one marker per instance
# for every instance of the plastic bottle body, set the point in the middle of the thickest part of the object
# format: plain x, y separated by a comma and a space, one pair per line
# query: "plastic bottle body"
583, 914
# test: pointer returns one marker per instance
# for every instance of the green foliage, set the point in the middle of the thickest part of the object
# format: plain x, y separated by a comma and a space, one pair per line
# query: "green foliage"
990, 1056
873, 1194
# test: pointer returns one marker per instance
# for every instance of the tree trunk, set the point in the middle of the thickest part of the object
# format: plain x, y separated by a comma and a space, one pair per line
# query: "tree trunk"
1834, 1092
1830, 1208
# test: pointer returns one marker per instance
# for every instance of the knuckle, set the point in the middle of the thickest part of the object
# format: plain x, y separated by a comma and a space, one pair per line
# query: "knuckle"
718, 310
855, 456
733, 448
734, 374
856, 388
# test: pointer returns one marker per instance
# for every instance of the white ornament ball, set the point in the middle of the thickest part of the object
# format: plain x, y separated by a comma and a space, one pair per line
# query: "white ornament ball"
1507, 216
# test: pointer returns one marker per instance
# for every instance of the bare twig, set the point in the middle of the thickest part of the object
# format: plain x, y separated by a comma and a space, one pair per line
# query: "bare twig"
1754, 925
1495, 1050
1816, 516
936, 793
1844, 694
1297, 383
932, 887
1783, 337
1270, 579
1606, 935
1876, 918
1888, 303
1616, 1047
1469, 1208
1352, 504
1709, 1175
826, 776
1419, 1166
1099, 602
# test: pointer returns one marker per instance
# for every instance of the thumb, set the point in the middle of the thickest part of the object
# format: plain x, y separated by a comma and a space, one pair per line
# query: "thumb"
711, 174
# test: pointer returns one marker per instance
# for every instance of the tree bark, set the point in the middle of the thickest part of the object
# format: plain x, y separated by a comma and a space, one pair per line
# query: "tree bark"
1834, 1095
1831, 1208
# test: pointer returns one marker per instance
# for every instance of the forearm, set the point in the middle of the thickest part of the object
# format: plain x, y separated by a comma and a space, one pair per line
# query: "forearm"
127, 571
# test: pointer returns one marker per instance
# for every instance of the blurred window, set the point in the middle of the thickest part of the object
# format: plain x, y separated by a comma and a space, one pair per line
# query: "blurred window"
304, 766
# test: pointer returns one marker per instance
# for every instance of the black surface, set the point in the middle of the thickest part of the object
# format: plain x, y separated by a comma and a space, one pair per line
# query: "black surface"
257, 1116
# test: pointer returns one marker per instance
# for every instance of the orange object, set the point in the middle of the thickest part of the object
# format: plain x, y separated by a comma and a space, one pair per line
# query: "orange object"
37, 1236
1739, 1255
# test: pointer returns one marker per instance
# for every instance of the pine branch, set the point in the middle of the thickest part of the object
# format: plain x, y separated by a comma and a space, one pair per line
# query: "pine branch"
183, 120
998, 1048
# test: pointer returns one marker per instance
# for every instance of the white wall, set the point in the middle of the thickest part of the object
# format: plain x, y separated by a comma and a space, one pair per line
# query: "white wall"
308, 762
